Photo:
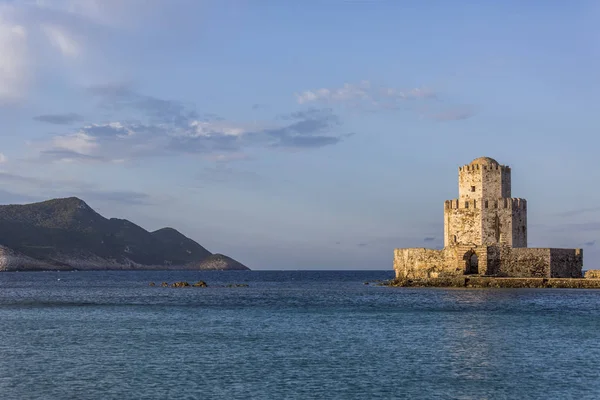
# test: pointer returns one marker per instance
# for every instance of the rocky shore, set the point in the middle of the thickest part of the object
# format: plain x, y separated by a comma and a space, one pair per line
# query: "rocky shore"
494, 282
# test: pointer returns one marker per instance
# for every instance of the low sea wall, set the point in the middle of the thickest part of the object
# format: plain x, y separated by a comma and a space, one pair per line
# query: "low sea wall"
493, 282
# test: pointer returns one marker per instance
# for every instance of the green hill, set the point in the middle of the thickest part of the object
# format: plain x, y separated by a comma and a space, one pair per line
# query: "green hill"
69, 234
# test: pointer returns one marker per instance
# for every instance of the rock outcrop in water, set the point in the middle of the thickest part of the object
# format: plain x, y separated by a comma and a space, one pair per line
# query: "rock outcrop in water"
67, 234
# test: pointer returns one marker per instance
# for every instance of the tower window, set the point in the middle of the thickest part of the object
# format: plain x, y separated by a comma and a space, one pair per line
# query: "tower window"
472, 188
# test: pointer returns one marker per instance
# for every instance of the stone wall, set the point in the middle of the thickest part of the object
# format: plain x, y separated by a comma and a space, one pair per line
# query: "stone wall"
503, 260
462, 222
484, 182
534, 262
425, 263
566, 263
519, 223
499, 260
523, 262
504, 221
469, 183
592, 274
496, 222
485, 222
464, 255
493, 261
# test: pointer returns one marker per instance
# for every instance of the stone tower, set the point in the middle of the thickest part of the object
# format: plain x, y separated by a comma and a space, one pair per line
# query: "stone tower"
485, 214
485, 233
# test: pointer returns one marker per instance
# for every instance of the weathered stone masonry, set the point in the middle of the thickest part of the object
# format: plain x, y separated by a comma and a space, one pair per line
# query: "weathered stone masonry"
485, 233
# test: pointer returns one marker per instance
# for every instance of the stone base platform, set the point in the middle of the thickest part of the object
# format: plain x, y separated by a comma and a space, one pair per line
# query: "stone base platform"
493, 282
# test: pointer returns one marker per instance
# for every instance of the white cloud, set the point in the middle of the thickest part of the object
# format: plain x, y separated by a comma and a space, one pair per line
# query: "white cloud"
13, 59
364, 93
347, 92
416, 93
19, 40
33, 31
60, 39
3, 158
80, 142
368, 97
213, 139
116, 129
211, 128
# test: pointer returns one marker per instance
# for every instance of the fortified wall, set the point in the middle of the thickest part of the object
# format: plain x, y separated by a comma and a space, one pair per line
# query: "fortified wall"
485, 233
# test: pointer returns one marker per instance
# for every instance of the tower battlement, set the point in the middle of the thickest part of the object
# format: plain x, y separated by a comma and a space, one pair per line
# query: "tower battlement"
506, 202
477, 167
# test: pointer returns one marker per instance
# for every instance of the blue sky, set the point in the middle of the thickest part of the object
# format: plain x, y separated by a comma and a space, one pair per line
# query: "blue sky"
302, 135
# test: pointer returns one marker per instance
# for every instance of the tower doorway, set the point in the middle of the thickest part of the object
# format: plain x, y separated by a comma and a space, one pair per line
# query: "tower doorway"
471, 263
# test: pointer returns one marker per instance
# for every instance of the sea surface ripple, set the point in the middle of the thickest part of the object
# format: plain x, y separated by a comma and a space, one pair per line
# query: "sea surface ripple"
290, 335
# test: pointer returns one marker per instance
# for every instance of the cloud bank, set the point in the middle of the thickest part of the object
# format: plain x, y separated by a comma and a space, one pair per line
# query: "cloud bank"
366, 96
165, 127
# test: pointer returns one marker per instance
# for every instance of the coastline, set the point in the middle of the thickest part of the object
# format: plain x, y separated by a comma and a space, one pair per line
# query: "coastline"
495, 282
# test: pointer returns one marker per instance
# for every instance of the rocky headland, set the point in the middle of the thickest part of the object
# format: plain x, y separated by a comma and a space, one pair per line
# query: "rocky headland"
67, 234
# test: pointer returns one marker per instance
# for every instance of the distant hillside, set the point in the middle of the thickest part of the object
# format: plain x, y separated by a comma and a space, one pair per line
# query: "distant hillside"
218, 262
69, 234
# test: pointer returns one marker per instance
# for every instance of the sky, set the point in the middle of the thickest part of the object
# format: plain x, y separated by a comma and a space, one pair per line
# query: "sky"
302, 135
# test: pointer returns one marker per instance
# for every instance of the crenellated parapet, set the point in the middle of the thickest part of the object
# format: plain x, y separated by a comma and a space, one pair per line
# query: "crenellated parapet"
478, 167
514, 203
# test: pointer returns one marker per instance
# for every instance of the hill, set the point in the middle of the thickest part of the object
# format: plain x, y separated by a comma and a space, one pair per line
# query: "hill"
220, 262
69, 234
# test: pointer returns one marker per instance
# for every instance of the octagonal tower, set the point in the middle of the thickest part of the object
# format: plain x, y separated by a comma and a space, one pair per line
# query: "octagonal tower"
485, 213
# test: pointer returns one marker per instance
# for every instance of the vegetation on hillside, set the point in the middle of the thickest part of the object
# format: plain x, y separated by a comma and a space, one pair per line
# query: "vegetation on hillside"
58, 228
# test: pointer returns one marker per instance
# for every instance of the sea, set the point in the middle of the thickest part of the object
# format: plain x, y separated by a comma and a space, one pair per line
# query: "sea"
290, 335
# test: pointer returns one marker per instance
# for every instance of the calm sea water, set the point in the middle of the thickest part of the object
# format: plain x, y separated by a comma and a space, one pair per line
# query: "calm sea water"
307, 334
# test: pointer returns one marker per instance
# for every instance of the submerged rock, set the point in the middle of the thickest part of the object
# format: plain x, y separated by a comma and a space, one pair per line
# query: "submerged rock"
180, 284
152, 284
200, 284
237, 285
164, 284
